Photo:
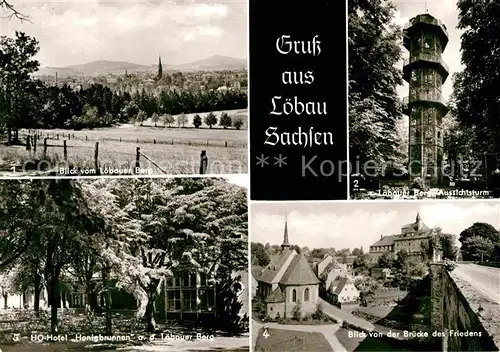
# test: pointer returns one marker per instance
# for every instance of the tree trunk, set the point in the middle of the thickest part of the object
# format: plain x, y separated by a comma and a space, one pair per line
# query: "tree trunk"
107, 299
9, 133
149, 315
54, 299
37, 287
5, 298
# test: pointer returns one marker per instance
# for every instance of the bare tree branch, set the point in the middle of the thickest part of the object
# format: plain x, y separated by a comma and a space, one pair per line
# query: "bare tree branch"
13, 13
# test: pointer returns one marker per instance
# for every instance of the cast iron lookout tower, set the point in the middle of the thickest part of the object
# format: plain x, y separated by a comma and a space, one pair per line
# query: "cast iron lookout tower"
425, 37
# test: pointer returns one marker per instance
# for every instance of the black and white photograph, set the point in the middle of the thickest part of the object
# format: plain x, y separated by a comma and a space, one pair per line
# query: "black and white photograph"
115, 264
375, 276
123, 87
423, 103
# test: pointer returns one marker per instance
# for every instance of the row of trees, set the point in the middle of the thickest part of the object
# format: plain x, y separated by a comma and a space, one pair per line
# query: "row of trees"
132, 234
26, 102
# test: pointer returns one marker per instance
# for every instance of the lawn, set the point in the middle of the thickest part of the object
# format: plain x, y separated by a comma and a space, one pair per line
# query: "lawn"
173, 150
286, 340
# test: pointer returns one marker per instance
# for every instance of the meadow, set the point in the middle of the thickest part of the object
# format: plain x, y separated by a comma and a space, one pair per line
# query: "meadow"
174, 150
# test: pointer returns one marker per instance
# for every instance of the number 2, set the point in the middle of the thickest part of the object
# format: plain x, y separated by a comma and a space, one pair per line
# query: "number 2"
356, 183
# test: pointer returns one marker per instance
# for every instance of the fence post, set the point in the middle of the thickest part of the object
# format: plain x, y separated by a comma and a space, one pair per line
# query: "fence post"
65, 151
44, 148
189, 142
34, 144
86, 138
225, 145
28, 146
96, 156
154, 141
203, 162
172, 141
69, 137
137, 158
58, 136
138, 140
120, 139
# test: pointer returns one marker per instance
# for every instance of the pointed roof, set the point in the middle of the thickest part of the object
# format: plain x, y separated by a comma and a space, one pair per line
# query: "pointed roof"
270, 272
286, 242
299, 273
276, 296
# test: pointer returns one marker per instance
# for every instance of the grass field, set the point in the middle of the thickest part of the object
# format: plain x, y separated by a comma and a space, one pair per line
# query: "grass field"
286, 340
174, 150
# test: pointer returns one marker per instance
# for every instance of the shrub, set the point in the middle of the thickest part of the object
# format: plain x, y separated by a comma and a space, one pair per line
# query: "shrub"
237, 123
297, 311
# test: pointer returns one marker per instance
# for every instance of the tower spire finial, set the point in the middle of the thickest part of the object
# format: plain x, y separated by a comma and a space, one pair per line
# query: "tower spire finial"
286, 243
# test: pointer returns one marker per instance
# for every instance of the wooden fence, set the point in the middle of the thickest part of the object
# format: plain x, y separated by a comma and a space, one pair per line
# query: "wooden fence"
171, 141
31, 145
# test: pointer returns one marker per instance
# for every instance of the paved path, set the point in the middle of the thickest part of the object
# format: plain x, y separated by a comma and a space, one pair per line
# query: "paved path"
327, 330
485, 279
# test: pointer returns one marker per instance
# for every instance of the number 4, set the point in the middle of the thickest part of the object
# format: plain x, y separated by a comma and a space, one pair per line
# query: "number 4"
265, 334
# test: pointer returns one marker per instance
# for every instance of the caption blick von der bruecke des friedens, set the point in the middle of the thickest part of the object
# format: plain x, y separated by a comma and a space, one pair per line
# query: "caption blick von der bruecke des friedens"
285, 106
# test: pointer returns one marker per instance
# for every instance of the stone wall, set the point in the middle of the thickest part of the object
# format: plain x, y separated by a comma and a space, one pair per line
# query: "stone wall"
456, 314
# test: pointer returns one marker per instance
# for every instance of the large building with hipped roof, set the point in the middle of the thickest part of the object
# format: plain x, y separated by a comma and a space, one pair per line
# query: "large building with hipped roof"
411, 240
287, 281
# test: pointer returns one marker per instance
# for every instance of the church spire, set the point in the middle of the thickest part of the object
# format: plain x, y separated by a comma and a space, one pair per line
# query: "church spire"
418, 222
160, 68
286, 243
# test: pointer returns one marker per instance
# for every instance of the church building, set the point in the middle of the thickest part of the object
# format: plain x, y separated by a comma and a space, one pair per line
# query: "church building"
288, 281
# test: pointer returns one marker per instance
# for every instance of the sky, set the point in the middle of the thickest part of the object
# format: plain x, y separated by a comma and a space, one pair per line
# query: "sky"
242, 180
351, 225
76, 32
446, 11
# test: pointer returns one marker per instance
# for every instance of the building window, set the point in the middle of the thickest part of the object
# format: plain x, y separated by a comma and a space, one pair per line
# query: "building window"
189, 300
306, 295
174, 301
294, 295
271, 309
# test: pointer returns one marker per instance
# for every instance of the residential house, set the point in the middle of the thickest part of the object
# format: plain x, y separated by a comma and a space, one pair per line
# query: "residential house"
342, 291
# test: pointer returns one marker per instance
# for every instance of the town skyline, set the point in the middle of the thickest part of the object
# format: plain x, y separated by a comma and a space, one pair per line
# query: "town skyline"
132, 31
323, 225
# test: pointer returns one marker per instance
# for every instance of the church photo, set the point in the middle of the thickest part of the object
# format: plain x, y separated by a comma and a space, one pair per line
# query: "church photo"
416, 127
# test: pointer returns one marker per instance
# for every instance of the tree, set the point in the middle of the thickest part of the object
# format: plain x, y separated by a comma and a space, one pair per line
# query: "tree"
478, 241
210, 119
13, 12
155, 118
167, 120
374, 51
141, 117
385, 261
197, 121
259, 255
182, 120
18, 66
474, 94
238, 123
318, 253
225, 120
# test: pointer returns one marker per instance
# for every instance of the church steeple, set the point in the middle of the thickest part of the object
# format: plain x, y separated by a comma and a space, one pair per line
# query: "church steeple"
160, 68
286, 243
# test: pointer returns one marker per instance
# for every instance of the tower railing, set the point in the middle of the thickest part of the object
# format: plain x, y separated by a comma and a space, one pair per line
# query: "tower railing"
428, 20
432, 57
433, 96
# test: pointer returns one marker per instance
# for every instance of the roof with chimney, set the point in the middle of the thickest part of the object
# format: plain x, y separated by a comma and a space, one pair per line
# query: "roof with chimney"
288, 267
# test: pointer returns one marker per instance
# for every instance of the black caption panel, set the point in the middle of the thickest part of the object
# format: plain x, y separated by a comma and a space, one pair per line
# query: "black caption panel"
298, 115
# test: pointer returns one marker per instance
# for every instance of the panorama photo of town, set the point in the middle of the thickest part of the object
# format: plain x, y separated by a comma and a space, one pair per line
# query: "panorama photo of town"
107, 88
401, 276
423, 102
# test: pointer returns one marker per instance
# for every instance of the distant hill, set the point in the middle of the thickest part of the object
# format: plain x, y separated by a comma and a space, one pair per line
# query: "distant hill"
96, 68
